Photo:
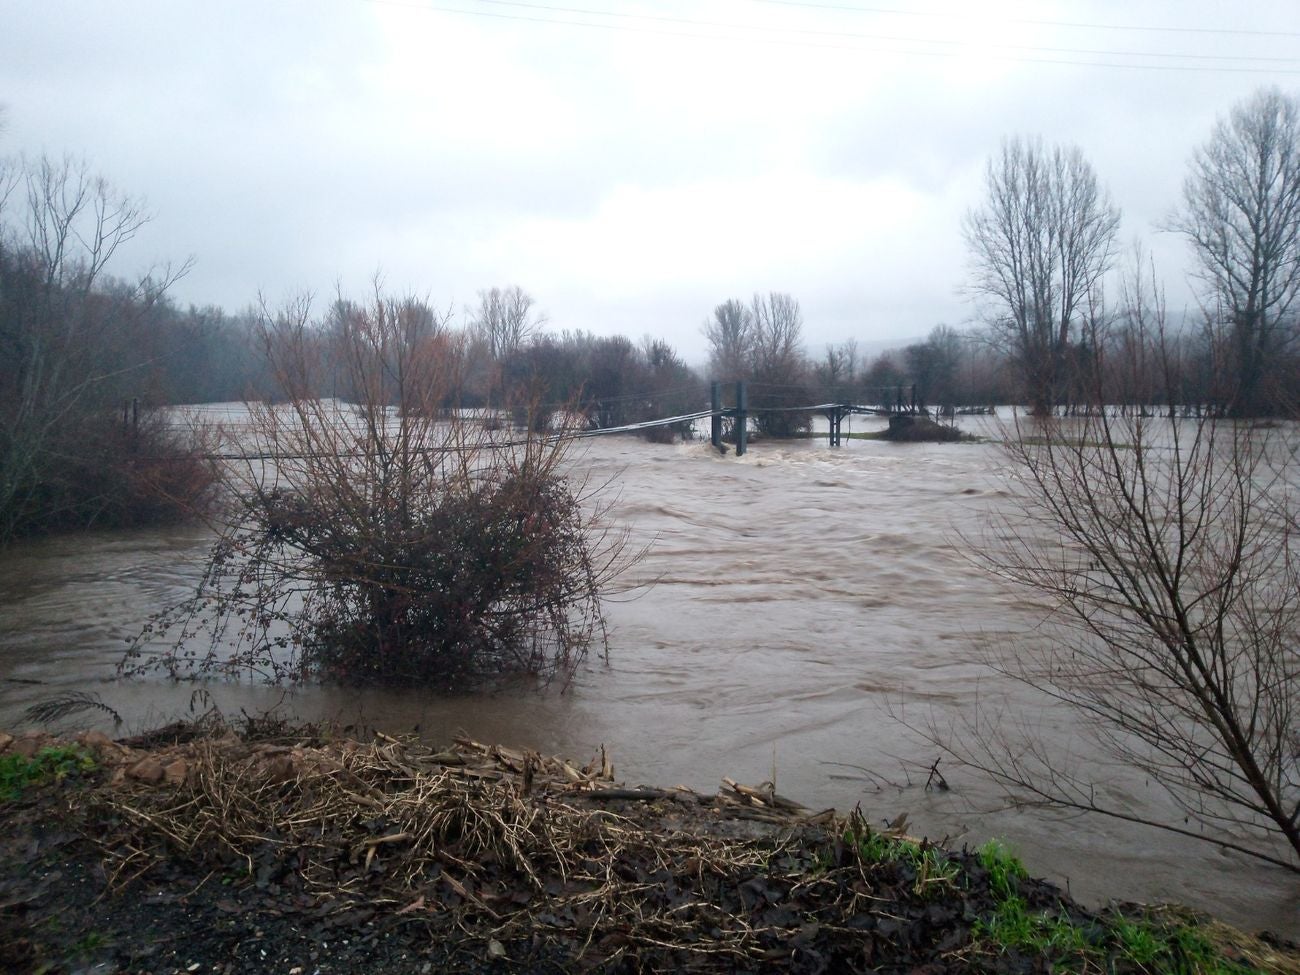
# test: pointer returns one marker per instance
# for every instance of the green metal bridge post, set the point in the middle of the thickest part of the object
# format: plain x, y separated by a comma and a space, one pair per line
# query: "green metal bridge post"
742, 419
715, 421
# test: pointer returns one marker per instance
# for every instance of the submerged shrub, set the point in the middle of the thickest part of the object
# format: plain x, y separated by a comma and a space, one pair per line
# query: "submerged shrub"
387, 539
94, 471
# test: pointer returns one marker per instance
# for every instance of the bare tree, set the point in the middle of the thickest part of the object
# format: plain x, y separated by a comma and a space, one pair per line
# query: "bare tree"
778, 333
503, 326
1241, 215
505, 318
730, 333
1144, 366
67, 331
615, 383
1038, 247
76, 221
672, 389
848, 351
762, 344
9, 175
933, 364
777, 366
882, 379
1165, 551
837, 370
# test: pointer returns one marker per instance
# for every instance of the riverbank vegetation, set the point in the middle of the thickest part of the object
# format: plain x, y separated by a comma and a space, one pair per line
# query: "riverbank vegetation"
383, 538
88, 358
279, 847
81, 362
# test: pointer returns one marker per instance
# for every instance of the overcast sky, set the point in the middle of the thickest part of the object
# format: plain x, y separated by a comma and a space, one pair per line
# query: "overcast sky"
629, 164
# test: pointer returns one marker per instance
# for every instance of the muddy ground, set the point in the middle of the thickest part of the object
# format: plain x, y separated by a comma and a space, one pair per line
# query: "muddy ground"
280, 850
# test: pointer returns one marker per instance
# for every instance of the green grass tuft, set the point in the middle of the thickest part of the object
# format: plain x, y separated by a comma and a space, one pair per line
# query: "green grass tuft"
56, 762
934, 870
1013, 925
1005, 871
1112, 942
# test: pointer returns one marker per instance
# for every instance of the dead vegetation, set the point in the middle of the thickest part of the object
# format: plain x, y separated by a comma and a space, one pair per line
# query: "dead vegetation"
507, 842
504, 857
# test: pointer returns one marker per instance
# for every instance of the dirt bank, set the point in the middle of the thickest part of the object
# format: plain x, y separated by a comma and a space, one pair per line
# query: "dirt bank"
197, 849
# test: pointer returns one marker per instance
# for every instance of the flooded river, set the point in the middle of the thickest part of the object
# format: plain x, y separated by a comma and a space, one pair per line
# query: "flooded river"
794, 603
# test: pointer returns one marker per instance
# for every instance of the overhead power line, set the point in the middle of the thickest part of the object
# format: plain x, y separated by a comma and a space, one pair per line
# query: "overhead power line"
1134, 28
871, 36
692, 28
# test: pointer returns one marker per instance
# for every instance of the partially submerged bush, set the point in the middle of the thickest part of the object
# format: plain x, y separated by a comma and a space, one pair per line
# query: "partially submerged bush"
96, 471
915, 428
388, 540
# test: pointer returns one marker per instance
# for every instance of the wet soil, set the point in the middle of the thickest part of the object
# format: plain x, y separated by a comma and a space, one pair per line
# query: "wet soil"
550, 868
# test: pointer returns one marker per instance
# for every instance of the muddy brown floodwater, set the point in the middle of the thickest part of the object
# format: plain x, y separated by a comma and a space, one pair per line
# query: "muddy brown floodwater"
795, 601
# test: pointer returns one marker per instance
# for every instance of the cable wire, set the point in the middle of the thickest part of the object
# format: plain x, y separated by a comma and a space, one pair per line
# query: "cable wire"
1078, 25
785, 40
860, 35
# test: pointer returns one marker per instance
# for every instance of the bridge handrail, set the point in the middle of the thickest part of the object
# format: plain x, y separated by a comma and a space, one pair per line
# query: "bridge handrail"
603, 431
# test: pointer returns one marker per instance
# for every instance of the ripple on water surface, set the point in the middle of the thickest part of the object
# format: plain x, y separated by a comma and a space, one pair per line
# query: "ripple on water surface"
806, 600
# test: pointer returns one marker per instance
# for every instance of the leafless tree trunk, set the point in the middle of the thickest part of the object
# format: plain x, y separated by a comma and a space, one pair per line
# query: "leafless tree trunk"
1038, 247
1241, 214
1165, 551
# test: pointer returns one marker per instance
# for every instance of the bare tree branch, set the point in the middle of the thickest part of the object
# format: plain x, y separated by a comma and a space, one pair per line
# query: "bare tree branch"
1039, 246
1164, 550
